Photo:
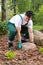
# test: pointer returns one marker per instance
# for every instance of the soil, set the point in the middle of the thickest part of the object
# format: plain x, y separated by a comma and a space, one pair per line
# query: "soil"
23, 57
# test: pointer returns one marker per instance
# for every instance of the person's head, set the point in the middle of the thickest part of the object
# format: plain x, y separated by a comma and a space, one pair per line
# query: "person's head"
28, 15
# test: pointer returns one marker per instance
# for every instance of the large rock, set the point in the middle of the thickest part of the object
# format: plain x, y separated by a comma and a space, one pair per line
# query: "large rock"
29, 46
38, 37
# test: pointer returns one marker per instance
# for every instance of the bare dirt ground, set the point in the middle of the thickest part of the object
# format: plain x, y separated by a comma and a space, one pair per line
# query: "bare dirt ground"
23, 57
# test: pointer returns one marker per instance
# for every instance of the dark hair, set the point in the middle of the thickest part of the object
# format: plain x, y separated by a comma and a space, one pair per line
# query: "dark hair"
29, 13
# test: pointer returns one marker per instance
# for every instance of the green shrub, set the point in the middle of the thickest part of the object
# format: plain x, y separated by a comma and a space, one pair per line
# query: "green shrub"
35, 18
3, 29
38, 17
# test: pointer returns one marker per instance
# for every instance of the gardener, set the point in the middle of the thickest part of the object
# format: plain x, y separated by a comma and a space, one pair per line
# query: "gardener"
21, 23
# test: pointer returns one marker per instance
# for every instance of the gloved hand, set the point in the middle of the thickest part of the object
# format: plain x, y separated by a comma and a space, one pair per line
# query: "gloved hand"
19, 45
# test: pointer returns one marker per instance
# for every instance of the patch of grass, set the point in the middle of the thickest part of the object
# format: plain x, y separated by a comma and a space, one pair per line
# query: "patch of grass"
37, 27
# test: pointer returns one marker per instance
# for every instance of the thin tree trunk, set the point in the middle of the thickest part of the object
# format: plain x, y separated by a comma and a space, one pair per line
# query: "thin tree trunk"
3, 10
14, 6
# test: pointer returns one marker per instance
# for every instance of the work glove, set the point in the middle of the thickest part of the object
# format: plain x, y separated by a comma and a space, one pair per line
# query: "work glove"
19, 45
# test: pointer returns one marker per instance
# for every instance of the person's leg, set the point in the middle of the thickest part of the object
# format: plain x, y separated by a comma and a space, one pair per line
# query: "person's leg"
12, 33
24, 31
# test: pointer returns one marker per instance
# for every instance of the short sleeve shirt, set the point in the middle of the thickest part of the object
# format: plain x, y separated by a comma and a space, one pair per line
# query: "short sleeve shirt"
18, 21
30, 24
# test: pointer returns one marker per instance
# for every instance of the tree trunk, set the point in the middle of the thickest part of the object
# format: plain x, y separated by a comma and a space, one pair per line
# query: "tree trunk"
14, 6
3, 10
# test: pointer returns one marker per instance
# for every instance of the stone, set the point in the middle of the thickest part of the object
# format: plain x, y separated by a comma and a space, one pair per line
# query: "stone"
38, 37
28, 45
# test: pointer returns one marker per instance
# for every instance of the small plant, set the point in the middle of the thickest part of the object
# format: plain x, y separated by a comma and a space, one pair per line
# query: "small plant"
10, 54
41, 50
3, 29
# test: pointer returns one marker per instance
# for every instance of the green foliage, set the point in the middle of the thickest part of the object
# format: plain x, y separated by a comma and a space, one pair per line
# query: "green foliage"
9, 4
35, 18
34, 5
41, 9
3, 29
38, 17
41, 50
10, 13
10, 54
41, 14
37, 27
23, 5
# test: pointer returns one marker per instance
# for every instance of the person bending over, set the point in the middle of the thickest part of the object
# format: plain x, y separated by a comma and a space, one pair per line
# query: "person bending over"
20, 24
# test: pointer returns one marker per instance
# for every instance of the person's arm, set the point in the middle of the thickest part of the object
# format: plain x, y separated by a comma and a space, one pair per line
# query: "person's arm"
19, 38
18, 21
30, 30
31, 35
18, 33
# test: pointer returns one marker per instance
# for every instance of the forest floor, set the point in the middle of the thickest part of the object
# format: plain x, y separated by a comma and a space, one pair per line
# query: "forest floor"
23, 57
